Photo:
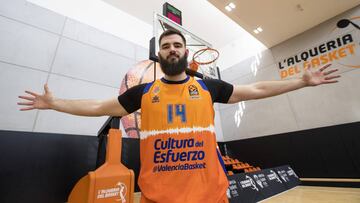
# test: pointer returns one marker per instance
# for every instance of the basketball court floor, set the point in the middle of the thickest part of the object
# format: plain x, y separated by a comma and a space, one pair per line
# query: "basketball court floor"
309, 194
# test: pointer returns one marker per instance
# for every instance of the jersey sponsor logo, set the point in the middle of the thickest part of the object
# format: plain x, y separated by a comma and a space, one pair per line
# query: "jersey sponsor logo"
193, 92
165, 150
171, 156
179, 152
179, 167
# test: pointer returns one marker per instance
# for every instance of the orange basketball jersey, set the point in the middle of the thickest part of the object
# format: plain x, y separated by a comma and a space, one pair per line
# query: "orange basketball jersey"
179, 161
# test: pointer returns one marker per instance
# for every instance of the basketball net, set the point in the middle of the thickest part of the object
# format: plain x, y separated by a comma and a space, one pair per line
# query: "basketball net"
203, 61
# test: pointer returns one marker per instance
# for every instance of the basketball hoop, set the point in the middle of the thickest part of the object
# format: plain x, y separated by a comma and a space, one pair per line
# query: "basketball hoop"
198, 58
202, 57
210, 51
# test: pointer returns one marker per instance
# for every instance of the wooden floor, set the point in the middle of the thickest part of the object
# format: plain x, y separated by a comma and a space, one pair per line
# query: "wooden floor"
308, 194
137, 196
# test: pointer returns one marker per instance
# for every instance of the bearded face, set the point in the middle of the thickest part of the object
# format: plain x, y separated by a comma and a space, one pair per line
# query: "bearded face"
173, 64
173, 55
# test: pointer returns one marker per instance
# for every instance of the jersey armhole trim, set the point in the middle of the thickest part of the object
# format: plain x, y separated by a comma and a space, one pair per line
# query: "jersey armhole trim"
202, 84
147, 87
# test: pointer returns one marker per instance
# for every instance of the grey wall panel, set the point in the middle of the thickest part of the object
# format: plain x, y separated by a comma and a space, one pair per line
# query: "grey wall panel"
259, 117
86, 62
29, 13
141, 53
13, 81
89, 35
328, 105
25, 45
248, 66
266, 73
63, 87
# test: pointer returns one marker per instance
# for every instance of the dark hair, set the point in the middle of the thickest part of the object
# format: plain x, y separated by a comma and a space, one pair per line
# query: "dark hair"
172, 32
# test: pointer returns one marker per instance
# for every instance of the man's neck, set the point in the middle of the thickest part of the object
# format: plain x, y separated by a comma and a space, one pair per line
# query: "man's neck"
181, 76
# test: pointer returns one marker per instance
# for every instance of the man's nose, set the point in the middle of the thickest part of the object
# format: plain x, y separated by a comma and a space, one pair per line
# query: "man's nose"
172, 51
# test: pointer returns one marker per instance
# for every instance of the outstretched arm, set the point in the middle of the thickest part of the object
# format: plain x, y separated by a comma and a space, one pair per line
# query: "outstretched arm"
109, 107
265, 89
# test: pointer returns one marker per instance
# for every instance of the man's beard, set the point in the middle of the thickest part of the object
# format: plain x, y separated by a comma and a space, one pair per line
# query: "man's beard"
173, 68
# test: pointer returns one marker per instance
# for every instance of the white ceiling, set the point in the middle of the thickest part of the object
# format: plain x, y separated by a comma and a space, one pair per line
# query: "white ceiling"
199, 17
280, 19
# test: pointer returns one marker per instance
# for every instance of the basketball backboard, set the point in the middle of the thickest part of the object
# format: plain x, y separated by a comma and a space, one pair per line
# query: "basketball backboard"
193, 44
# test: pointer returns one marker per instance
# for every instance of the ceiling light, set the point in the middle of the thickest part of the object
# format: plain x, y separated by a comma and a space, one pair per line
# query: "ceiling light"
259, 29
228, 8
256, 31
232, 5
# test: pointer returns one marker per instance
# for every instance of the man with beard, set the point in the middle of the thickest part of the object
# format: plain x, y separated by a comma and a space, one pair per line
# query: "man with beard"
179, 161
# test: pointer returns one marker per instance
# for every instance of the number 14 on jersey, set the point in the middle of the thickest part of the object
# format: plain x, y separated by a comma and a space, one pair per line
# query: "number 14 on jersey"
176, 110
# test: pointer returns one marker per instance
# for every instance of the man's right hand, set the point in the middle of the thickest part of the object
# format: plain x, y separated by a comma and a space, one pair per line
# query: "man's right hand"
82, 107
36, 101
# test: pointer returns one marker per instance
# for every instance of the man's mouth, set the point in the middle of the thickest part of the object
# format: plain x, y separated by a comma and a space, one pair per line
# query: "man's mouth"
173, 56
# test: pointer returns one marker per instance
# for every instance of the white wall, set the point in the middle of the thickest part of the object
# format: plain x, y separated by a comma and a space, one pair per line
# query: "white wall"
102, 16
307, 108
238, 50
77, 61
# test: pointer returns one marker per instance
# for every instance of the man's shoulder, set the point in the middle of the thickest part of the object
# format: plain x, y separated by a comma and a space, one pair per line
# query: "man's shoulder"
140, 86
136, 90
212, 82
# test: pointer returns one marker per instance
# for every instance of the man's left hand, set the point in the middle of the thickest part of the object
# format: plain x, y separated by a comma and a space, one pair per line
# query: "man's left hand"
321, 76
